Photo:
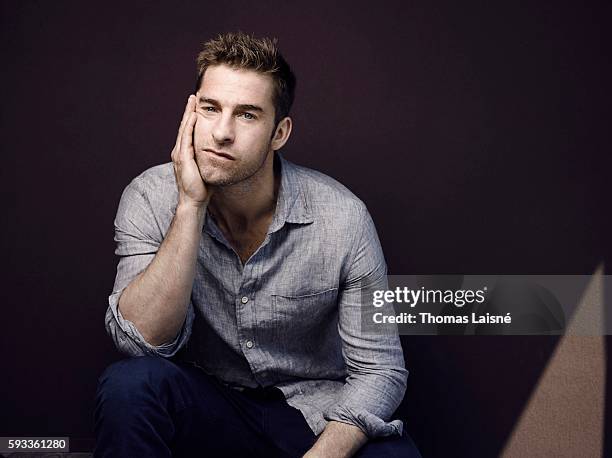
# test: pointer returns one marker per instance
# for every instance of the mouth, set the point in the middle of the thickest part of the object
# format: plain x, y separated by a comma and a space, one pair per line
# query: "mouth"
219, 154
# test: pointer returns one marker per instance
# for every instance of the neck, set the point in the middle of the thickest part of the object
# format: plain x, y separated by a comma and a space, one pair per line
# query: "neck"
244, 204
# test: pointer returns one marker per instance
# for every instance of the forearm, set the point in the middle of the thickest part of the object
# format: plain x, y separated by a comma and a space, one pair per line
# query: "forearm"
156, 300
338, 440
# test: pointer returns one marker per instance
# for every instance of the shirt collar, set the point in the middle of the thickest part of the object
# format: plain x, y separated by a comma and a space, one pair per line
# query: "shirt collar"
292, 205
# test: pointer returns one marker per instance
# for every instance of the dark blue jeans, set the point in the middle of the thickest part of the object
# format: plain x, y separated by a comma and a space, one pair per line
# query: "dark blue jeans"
154, 407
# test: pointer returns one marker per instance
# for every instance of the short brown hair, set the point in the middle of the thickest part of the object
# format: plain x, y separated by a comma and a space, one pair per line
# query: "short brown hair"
239, 50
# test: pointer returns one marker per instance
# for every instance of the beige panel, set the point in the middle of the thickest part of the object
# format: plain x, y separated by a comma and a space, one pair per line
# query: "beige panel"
564, 416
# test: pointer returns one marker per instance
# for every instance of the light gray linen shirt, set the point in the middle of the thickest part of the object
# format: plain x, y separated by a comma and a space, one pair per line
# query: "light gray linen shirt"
290, 316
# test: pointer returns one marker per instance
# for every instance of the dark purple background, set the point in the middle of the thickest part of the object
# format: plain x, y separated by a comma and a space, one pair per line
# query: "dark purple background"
478, 135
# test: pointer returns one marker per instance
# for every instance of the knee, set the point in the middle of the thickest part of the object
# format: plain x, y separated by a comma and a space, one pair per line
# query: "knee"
402, 446
130, 378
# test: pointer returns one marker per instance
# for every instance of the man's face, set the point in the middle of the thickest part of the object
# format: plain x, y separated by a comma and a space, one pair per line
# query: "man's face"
235, 121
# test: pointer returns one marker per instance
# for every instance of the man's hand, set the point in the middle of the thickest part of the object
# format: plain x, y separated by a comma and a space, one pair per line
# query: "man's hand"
157, 299
191, 188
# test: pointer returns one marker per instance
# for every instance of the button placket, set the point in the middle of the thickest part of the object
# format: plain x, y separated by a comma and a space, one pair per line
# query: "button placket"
245, 308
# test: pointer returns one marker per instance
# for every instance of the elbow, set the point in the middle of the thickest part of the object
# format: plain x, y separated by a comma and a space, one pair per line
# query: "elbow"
404, 382
132, 343
398, 377
135, 339
121, 340
158, 340
154, 333
125, 310
150, 338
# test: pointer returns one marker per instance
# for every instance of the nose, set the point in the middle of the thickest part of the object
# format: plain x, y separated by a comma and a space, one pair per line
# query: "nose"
223, 130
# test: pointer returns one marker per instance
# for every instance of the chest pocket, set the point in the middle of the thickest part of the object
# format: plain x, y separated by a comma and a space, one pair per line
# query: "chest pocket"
299, 317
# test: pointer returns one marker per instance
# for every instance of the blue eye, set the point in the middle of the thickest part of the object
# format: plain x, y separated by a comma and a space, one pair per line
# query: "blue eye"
248, 116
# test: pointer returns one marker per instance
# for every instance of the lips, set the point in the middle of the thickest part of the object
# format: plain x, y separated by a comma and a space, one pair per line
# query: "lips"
220, 154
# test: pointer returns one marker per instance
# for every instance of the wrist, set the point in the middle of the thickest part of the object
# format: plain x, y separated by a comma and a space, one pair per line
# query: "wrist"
191, 209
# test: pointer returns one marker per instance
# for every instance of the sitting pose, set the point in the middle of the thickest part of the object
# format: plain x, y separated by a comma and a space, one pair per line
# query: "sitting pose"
239, 287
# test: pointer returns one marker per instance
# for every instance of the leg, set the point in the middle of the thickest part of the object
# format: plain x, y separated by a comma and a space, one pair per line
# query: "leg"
130, 419
389, 447
153, 407
290, 433
285, 426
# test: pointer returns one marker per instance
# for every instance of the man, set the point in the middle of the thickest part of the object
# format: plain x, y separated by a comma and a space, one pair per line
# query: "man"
239, 287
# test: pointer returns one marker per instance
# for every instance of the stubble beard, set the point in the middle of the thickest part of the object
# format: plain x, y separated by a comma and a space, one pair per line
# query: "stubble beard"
223, 174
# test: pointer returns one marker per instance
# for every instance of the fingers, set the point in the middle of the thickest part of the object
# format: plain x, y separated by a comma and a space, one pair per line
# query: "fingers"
186, 148
189, 108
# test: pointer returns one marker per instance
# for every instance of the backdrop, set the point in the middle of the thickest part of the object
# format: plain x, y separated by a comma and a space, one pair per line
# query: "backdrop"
476, 133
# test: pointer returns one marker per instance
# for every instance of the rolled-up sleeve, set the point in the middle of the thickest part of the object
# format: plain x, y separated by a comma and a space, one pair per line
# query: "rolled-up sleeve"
138, 236
376, 381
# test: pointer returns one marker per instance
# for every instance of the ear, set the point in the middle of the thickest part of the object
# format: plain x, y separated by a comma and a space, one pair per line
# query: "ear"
281, 133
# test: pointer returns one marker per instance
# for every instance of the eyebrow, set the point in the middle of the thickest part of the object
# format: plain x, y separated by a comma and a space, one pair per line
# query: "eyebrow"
244, 106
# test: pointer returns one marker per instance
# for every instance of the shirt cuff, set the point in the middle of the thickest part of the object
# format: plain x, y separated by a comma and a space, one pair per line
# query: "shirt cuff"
130, 341
372, 425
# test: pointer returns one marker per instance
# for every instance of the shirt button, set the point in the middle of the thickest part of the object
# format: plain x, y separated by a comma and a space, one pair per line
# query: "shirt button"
244, 299
249, 344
